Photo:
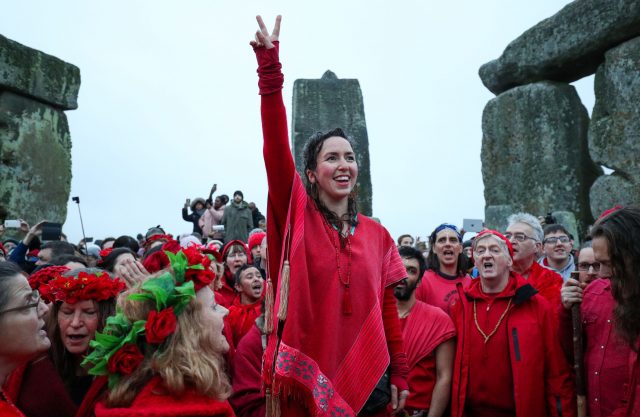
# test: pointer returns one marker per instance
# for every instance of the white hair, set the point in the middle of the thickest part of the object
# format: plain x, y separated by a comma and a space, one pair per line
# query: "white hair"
529, 220
501, 243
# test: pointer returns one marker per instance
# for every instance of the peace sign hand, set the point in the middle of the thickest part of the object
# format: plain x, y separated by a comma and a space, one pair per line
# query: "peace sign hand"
262, 37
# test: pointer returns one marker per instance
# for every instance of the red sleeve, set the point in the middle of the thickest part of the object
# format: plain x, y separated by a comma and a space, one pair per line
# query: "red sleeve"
247, 399
395, 342
277, 154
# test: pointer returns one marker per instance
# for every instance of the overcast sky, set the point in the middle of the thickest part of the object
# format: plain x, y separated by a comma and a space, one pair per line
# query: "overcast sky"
169, 105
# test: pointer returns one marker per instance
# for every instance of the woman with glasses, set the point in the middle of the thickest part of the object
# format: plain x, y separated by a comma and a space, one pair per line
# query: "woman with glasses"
22, 334
446, 267
81, 301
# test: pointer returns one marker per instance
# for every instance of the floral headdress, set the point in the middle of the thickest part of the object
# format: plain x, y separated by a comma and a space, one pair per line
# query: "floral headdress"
117, 351
54, 286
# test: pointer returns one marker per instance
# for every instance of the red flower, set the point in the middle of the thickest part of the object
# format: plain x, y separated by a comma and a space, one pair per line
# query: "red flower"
160, 325
200, 277
157, 261
194, 256
125, 360
105, 252
172, 246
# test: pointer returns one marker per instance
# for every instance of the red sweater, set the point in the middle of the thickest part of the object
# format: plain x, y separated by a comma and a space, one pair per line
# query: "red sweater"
242, 317
346, 363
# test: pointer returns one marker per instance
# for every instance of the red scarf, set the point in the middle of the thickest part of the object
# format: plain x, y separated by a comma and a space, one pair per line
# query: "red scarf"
426, 328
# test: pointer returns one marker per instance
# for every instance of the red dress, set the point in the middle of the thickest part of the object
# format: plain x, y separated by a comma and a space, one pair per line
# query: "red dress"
326, 361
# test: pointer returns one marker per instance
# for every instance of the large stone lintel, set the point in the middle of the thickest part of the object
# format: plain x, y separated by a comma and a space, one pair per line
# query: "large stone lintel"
565, 47
46, 78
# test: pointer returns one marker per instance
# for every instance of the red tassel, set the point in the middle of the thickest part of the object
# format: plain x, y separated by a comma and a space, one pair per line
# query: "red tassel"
346, 301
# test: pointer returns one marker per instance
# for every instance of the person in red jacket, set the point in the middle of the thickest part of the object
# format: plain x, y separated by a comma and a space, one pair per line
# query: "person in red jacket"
333, 272
525, 234
616, 246
508, 360
428, 337
234, 255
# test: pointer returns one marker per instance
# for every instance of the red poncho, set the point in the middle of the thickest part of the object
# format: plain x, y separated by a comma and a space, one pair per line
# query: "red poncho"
327, 360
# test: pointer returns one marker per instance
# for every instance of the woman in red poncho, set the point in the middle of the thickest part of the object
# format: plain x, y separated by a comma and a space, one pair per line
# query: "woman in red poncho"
334, 269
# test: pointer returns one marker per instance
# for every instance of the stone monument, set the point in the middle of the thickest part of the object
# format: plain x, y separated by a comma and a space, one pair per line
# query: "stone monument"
540, 152
324, 104
35, 144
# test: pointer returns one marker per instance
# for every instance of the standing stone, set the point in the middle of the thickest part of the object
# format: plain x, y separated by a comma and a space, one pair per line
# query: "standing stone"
35, 144
614, 134
534, 152
327, 103
565, 47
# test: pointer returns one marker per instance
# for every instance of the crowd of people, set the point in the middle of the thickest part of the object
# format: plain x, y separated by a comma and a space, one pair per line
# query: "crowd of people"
317, 311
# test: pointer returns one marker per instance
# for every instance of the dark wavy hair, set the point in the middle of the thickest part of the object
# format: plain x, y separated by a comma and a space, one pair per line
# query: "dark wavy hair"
434, 263
310, 156
621, 230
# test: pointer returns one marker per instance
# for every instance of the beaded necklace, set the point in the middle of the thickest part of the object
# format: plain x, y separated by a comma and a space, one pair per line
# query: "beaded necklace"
336, 239
495, 329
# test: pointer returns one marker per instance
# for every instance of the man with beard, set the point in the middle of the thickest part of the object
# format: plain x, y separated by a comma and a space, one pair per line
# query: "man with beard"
508, 360
616, 246
428, 336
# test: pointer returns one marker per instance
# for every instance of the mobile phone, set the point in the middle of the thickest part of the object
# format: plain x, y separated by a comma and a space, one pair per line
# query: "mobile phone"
472, 225
218, 228
51, 231
12, 224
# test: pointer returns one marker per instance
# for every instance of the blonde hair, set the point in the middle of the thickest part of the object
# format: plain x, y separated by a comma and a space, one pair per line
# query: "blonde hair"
188, 358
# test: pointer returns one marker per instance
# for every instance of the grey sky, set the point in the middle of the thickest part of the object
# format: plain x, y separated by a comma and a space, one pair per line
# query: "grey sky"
169, 104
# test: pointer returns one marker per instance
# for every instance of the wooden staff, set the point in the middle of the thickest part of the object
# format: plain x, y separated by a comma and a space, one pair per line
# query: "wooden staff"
578, 355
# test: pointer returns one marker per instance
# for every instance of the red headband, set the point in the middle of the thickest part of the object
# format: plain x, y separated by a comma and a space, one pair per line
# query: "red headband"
496, 234
97, 286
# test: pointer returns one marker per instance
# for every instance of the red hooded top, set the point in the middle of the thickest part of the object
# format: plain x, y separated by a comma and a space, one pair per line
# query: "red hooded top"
539, 371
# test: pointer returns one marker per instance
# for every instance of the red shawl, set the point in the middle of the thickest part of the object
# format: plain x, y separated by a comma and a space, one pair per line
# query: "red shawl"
425, 329
7, 409
242, 317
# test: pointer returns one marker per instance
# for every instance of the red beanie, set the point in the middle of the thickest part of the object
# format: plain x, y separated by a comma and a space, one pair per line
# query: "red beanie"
496, 234
256, 239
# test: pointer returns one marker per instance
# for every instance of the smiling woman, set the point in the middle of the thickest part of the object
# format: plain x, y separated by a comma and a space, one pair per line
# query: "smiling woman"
22, 337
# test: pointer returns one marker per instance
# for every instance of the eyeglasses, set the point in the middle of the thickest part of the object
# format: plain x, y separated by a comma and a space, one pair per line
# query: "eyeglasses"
520, 237
34, 301
585, 266
554, 240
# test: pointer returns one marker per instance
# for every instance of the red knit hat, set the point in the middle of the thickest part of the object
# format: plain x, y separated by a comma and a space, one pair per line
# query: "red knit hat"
227, 248
256, 239
496, 234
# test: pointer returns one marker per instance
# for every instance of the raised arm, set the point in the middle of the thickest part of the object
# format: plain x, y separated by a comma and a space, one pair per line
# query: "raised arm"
277, 154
